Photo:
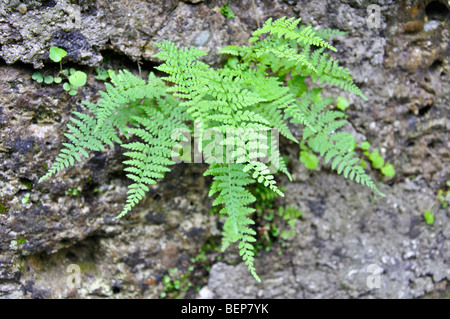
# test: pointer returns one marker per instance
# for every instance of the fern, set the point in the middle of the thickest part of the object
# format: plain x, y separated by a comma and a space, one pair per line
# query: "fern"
260, 90
326, 34
287, 28
150, 157
229, 187
84, 137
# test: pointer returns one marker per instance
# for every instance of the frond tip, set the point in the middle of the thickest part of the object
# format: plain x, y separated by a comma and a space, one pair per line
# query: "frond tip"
229, 186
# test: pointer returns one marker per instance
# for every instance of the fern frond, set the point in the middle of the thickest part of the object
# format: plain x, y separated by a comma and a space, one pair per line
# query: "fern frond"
315, 113
262, 174
287, 28
234, 50
278, 97
83, 137
229, 187
119, 104
184, 71
327, 34
327, 70
276, 118
286, 57
149, 158
343, 160
332, 145
125, 91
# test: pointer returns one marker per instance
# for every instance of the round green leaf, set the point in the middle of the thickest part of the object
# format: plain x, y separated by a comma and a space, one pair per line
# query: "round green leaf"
309, 159
78, 78
36, 76
365, 146
73, 92
376, 159
388, 170
56, 54
66, 86
48, 79
429, 217
342, 103
102, 75
57, 79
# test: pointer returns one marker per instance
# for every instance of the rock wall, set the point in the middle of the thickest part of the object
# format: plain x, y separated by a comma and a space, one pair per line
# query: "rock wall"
402, 67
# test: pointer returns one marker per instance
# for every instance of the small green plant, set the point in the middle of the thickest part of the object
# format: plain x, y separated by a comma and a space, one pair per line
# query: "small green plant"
232, 111
388, 170
75, 78
365, 146
378, 162
74, 192
208, 254
102, 74
429, 217
291, 215
227, 12
272, 231
342, 103
308, 157
376, 159
176, 283
26, 198
443, 196
266, 212
264, 198
57, 54
21, 241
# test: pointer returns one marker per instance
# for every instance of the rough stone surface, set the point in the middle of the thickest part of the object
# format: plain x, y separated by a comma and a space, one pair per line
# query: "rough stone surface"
346, 233
344, 241
86, 28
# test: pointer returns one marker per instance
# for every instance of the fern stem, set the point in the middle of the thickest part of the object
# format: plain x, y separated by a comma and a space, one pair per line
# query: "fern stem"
256, 14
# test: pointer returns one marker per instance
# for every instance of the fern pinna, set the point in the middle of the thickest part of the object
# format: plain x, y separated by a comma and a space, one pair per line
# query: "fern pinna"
260, 89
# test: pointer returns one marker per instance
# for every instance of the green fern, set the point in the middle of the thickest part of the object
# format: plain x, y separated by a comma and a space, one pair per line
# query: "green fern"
150, 157
84, 137
229, 187
260, 90
287, 28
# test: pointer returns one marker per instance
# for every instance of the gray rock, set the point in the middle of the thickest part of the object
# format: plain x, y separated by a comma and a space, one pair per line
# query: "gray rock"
362, 240
430, 26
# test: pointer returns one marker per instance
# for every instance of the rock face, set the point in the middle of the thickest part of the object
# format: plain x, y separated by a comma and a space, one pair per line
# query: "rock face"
86, 29
60, 238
